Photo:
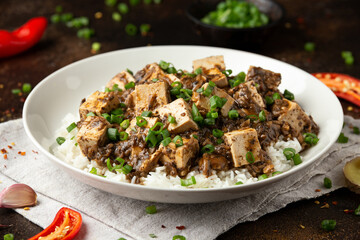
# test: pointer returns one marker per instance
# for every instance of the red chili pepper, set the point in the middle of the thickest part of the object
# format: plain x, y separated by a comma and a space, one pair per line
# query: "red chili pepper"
65, 226
23, 38
344, 86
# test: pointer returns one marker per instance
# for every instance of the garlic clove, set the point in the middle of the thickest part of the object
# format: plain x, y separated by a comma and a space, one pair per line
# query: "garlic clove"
17, 195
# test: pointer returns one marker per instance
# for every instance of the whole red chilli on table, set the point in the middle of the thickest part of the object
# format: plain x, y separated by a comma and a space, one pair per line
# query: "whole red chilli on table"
22, 38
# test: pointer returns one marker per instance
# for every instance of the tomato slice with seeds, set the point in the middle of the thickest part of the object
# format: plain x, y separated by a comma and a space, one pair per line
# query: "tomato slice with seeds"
65, 226
344, 86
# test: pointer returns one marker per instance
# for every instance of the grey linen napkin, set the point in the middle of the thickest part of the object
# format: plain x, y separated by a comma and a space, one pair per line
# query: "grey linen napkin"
106, 216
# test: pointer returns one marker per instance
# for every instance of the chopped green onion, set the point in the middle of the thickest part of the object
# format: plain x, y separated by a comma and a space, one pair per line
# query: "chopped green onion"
171, 119
110, 3
262, 116
147, 1
126, 169
178, 237
227, 72
151, 139
178, 141
200, 90
116, 16
240, 78
212, 114
166, 141
219, 141
152, 235
158, 124
155, 80
125, 124
95, 47
198, 71
108, 164
116, 118
217, 102
357, 211
93, 170
289, 95
233, 114
342, 138
144, 29
106, 116
208, 148
164, 65
130, 29
269, 100
140, 121
146, 114
195, 136
217, 133
16, 91
66, 17
250, 157
297, 159
123, 136
239, 183
309, 46
60, 140
26, 88
71, 127
252, 117
157, 1
209, 121
188, 182
129, 85
328, 225
289, 153
58, 9
327, 183
176, 84
276, 173
129, 71
85, 33
165, 133
209, 89
262, 177
151, 209
123, 8
348, 57
311, 138
112, 133
356, 130
276, 96
55, 18
196, 114
9, 236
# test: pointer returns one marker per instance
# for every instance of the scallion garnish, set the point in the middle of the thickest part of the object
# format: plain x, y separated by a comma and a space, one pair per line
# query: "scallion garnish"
123, 8
152, 235
209, 121
26, 88
250, 157
129, 85
289, 153
198, 71
123, 136
176, 84
227, 72
269, 100
90, 114
196, 114
130, 29
158, 125
200, 90
252, 117
311, 138
219, 141
151, 139
208, 148
239, 183
357, 211
188, 182
146, 113
165, 133
164, 65
262, 116
209, 89
178, 141
144, 29
166, 141
233, 114
140, 121
276, 173
356, 130
116, 16
151, 209
289, 95
297, 159
342, 138
262, 177
60, 140
217, 133
195, 136
116, 118
155, 80
179, 237
71, 127
125, 124
171, 119
276, 96
112, 133
129, 71
126, 169
217, 102
106, 116
212, 114
328, 225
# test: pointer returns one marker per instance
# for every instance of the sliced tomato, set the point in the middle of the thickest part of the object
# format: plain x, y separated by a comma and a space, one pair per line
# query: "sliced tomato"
65, 226
344, 86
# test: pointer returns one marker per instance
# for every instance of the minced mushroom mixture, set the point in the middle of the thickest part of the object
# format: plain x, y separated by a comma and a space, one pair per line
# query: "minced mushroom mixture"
206, 119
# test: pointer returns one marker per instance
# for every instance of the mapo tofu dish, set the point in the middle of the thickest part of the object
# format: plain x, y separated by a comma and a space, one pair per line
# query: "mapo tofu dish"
208, 120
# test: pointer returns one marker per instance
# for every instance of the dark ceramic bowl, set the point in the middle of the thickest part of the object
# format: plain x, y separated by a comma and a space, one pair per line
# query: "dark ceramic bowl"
241, 38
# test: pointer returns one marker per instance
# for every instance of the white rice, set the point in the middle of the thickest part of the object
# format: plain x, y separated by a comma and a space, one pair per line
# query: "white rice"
71, 153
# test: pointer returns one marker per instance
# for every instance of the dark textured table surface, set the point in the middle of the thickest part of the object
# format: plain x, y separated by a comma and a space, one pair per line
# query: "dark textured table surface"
333, 25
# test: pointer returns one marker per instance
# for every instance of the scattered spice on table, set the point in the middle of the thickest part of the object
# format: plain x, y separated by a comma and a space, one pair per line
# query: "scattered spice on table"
163, 226
180, 227
317, 190
326, 205
317, 202
334, 203
302, 226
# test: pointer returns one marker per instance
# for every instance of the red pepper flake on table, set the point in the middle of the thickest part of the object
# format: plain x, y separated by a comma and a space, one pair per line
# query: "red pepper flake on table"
180, 227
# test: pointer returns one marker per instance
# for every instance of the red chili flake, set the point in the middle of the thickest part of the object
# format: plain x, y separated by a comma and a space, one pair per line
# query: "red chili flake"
12, 109
162, 226
348, 211
9, 146
5, 156
3, 151
22, 99
180, 227
300, 20
317, 190
22, 153
334, 203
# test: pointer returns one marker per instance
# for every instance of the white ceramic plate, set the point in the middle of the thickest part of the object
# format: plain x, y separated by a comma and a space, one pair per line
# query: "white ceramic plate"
62, 91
